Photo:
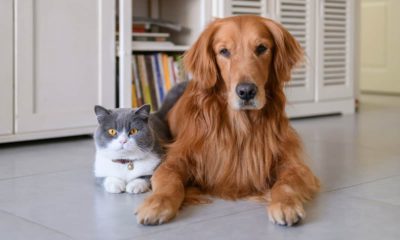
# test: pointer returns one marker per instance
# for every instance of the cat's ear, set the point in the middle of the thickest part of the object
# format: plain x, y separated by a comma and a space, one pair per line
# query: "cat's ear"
143, 112
101, 112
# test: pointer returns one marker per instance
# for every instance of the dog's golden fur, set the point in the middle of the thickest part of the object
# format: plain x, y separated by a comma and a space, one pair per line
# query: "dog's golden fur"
225, 151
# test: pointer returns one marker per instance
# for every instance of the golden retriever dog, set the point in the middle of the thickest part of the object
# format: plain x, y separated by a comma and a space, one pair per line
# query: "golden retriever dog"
232, 138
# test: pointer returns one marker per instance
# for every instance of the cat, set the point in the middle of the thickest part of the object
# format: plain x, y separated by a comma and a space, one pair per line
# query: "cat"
130, 144
128, 148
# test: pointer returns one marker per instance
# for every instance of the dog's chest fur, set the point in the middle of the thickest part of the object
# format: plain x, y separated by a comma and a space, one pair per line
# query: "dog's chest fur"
235, 157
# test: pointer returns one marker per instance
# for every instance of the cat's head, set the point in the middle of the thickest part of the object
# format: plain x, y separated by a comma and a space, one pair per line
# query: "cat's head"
123, 132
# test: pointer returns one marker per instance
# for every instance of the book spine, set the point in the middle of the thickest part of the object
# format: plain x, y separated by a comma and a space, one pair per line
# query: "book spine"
150, 79
138, 86
172, 70
156, 79
143, 78
133, 89
162, 74
176, 71
166, 72
134, 97
181, 70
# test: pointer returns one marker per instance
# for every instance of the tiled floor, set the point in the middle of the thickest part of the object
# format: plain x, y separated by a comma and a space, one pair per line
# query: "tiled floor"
47, 190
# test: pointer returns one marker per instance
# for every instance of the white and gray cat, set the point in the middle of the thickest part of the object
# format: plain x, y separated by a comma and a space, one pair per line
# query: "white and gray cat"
128, 148
129, 144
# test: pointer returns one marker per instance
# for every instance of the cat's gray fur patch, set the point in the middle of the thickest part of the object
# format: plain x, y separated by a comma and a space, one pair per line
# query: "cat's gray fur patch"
153, 128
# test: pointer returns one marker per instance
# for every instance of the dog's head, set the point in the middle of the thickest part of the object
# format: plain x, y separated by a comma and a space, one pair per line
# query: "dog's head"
249, 57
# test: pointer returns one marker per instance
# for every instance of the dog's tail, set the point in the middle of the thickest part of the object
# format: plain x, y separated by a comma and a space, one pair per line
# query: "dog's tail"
172, 97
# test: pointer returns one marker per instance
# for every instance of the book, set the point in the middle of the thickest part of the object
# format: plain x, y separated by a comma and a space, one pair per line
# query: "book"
133, 89
167, 76
136, 78
143, 79
138, 28
148, 22
134, 97
182, 76
152, 34
157, 79
150, 80
172, 70
161, 68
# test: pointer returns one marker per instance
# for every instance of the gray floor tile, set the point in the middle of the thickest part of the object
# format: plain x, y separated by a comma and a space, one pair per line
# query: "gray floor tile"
374, 127
15, 228
386, 190
341, 165
72, 203
331, 216
26, 159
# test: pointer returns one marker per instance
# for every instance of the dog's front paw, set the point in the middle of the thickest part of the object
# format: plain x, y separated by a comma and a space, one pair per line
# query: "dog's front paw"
156, 209
138, 186
285, 214
114, 185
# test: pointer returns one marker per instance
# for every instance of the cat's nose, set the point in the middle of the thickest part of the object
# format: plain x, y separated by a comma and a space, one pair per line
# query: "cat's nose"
123, 140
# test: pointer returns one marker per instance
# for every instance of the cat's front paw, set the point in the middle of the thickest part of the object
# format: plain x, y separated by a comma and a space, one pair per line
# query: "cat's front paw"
138, 186
114, 185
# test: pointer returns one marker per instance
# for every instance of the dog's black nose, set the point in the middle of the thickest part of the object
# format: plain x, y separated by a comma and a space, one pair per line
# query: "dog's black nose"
246, 91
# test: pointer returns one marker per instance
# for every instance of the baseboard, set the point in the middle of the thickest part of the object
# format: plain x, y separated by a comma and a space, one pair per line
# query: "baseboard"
307, 109
18, 137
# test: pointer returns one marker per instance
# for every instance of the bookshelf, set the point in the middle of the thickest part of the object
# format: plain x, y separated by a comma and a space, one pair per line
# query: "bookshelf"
128, 49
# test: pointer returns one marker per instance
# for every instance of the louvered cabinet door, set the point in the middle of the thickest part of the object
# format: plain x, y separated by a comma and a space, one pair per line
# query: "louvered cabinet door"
298, 17
244, 7
336, 47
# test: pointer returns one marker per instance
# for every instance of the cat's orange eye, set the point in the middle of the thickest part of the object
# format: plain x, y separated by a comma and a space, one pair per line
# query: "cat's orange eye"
133, 131
112, 132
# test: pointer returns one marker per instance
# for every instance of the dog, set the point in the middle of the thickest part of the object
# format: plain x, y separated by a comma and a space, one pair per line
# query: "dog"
232, 138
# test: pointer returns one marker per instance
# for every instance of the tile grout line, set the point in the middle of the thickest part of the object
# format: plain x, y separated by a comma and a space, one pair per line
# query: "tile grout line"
359, 184
199, 221
373, 200
40, 174
36, 223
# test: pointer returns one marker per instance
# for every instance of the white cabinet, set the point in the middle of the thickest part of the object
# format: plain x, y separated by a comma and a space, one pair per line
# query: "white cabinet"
6, 67
64, 64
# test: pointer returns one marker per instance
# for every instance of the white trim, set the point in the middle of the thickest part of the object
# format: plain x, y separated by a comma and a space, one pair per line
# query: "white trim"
6, 67
125, 53
107, 53
47, 134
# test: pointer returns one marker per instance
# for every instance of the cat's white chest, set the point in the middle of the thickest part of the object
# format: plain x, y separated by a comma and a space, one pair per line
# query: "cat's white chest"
143, 165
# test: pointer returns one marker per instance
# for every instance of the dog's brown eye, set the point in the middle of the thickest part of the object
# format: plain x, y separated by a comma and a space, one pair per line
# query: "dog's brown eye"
260, 49
225, 52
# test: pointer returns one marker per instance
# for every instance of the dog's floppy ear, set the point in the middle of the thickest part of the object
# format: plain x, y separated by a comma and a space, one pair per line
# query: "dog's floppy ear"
200, 58
287, 52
